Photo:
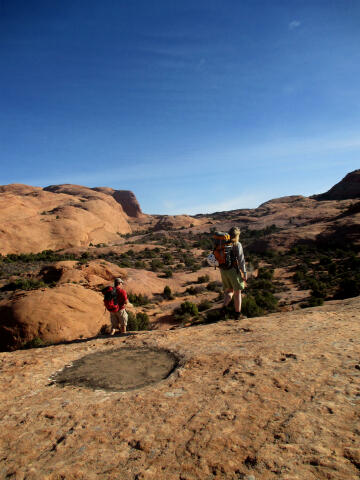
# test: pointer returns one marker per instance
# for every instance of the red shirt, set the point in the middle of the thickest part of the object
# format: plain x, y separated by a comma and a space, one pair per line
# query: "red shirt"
122, 297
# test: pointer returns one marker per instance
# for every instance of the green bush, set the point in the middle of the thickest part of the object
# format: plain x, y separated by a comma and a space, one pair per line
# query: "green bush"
25, 284
203, 279
214, 286
34, 343
168, 273
167, 293
138, 299
250, 308
204, 305
195, 290
266, 300
313, 302
140, 321
349, 287
265, 273
188, 307
156, 265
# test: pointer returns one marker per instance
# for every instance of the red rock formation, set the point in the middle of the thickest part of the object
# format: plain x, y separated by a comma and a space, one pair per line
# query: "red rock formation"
348, 187
33, 219
53, 314
125, 198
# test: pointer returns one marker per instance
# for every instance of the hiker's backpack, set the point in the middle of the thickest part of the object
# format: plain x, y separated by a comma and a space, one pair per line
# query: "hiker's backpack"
223, 250
110, 299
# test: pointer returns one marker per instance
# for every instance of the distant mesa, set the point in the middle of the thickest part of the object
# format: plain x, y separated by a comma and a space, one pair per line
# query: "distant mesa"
347, 188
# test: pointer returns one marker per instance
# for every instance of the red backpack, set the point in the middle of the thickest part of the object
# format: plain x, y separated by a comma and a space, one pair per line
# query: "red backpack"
223, 250
110, 299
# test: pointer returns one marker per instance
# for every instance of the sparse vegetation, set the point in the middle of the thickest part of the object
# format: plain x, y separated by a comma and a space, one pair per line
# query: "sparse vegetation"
138, 321
138, 299
167, 293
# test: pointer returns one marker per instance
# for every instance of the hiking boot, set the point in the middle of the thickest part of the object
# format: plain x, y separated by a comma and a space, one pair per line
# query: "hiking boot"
239, 316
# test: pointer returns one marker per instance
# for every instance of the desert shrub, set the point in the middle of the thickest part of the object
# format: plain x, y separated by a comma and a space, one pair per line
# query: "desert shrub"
187, 307
143, 322
214, 286
156, 264
25, 284
266, 301
124, 263
250, 308
167, 293
265, 273
140, 264
213, 316
36, 342
167, 258
204, 305
312, 302
349, 287
195, 290
261, 284
138, 299
189, 260
203, 279
168, 273
140, 321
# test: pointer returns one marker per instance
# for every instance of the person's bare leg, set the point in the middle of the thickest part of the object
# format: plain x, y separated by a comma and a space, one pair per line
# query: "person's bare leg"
123, 329
237, 301
228, 296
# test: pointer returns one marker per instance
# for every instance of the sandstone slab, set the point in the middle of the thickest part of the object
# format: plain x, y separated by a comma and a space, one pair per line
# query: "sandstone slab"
273, 397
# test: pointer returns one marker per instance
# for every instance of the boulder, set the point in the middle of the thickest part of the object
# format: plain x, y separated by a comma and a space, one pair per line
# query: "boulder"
64, 313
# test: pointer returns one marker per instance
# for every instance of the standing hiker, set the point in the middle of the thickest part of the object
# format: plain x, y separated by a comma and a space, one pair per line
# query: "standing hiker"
119, 319
115, 301
234, 278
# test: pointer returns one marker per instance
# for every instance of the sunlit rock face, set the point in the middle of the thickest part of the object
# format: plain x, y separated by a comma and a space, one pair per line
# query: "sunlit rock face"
33, 219
126, 199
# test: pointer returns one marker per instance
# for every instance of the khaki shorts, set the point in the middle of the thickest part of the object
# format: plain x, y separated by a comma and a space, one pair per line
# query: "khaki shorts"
232, 280
119, 319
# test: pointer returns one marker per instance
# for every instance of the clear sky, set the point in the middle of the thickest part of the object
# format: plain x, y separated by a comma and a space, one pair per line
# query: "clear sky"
194, 105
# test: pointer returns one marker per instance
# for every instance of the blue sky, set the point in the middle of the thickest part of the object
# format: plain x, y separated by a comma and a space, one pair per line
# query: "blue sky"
194, 105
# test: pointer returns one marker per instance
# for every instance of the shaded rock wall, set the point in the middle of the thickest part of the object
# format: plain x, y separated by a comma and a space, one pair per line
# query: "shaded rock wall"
348, 187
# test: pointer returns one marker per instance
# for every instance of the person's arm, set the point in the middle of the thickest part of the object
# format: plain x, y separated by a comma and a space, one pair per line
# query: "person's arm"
240, 259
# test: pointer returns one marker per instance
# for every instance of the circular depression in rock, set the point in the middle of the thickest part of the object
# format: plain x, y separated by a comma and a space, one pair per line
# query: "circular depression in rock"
118, 370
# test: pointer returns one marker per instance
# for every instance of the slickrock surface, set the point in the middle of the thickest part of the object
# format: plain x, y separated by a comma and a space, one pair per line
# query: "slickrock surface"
61, 216
274, 397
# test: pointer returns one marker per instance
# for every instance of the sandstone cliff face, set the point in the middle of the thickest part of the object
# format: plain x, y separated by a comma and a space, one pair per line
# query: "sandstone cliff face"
126, 199
348, 187
35, 219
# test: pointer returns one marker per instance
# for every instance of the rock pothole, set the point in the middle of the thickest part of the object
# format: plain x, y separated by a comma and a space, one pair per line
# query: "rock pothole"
118, 370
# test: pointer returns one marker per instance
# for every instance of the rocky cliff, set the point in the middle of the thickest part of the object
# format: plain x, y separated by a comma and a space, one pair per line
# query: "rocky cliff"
348, 187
